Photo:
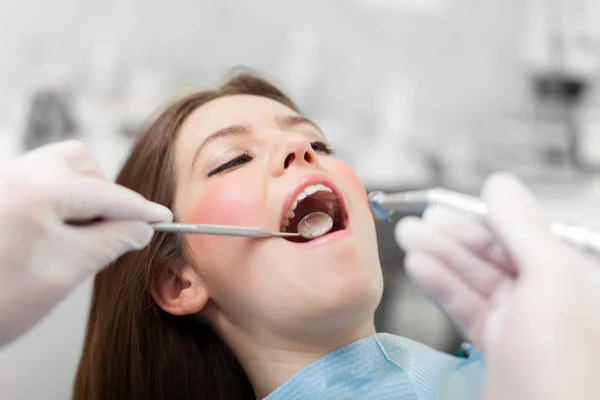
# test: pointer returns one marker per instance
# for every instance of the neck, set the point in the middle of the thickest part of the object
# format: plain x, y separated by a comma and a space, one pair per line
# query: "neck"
271, 360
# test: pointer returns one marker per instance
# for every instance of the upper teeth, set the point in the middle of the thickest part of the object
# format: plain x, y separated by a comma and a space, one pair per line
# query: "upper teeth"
312, 189
331, 201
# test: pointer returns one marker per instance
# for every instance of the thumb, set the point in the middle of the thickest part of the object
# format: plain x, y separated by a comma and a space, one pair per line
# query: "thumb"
514, 215
104, 242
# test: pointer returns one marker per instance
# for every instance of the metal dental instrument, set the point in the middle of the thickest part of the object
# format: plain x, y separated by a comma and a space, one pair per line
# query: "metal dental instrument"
220, 230
315, 224
311, 226
415, 202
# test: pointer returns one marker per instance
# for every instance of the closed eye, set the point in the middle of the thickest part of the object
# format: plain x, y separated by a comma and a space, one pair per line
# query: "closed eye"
321, 147
232, 164
318, 146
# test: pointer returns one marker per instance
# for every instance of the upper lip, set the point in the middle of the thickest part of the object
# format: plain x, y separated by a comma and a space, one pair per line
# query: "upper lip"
309, 180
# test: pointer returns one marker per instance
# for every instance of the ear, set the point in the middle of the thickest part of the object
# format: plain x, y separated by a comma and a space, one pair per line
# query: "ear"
179, 293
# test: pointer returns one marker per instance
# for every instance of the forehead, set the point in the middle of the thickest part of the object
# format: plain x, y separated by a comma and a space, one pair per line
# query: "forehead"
220, 113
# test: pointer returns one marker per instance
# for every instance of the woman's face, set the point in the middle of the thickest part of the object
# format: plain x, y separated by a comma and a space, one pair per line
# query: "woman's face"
242, 160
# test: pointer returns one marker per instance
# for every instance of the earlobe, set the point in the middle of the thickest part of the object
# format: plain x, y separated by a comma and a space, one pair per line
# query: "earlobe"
179, 292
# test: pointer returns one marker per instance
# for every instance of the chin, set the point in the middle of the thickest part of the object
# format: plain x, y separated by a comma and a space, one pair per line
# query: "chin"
330, 304
349, 297
347, 279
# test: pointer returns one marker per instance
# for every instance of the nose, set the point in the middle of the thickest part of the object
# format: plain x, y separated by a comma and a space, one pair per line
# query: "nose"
295, 150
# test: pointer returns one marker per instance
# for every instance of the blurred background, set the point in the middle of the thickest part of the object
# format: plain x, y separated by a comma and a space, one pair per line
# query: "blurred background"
411, 93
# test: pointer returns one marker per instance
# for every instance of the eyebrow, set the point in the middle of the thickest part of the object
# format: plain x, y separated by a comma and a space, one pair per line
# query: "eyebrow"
289, 121
234, 130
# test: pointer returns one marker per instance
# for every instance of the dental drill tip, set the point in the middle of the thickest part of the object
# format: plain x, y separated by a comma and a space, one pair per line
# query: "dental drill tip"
376, 195
375, 200
383, 205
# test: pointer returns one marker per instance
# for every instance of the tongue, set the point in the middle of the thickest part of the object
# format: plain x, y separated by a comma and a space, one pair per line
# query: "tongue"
306, 207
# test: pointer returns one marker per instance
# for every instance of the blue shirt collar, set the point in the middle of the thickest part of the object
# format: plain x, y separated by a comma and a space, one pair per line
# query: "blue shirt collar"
384, 366
350, 367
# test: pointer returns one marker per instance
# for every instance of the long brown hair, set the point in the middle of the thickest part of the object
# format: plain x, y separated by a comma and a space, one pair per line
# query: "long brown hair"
133, 349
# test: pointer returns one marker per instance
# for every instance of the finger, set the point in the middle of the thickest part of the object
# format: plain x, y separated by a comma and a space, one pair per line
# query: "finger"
472, 235
104, 242
514, 215
403, 237
74, 154
61, 148
81, 161
90, 198
475, 272
465, 307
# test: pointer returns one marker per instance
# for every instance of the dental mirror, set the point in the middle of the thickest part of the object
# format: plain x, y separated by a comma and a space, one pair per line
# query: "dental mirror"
314, 225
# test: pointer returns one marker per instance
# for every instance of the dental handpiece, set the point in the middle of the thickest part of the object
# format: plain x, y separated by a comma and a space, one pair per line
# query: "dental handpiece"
384, 205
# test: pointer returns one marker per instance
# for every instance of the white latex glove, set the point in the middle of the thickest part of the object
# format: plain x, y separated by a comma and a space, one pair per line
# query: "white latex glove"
528, 300
41, 256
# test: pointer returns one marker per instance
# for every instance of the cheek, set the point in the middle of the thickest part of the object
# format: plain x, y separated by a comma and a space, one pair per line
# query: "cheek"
352, 184
226, 203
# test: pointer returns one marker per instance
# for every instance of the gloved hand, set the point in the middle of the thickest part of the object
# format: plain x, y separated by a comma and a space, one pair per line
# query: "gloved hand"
528, 300
42, 256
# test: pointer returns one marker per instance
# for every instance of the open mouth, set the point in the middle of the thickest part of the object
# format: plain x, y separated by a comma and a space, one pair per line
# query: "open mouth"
314, 198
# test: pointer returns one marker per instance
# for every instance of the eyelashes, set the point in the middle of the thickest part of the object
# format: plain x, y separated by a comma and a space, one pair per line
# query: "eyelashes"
232, 164
235, 163
321, 147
